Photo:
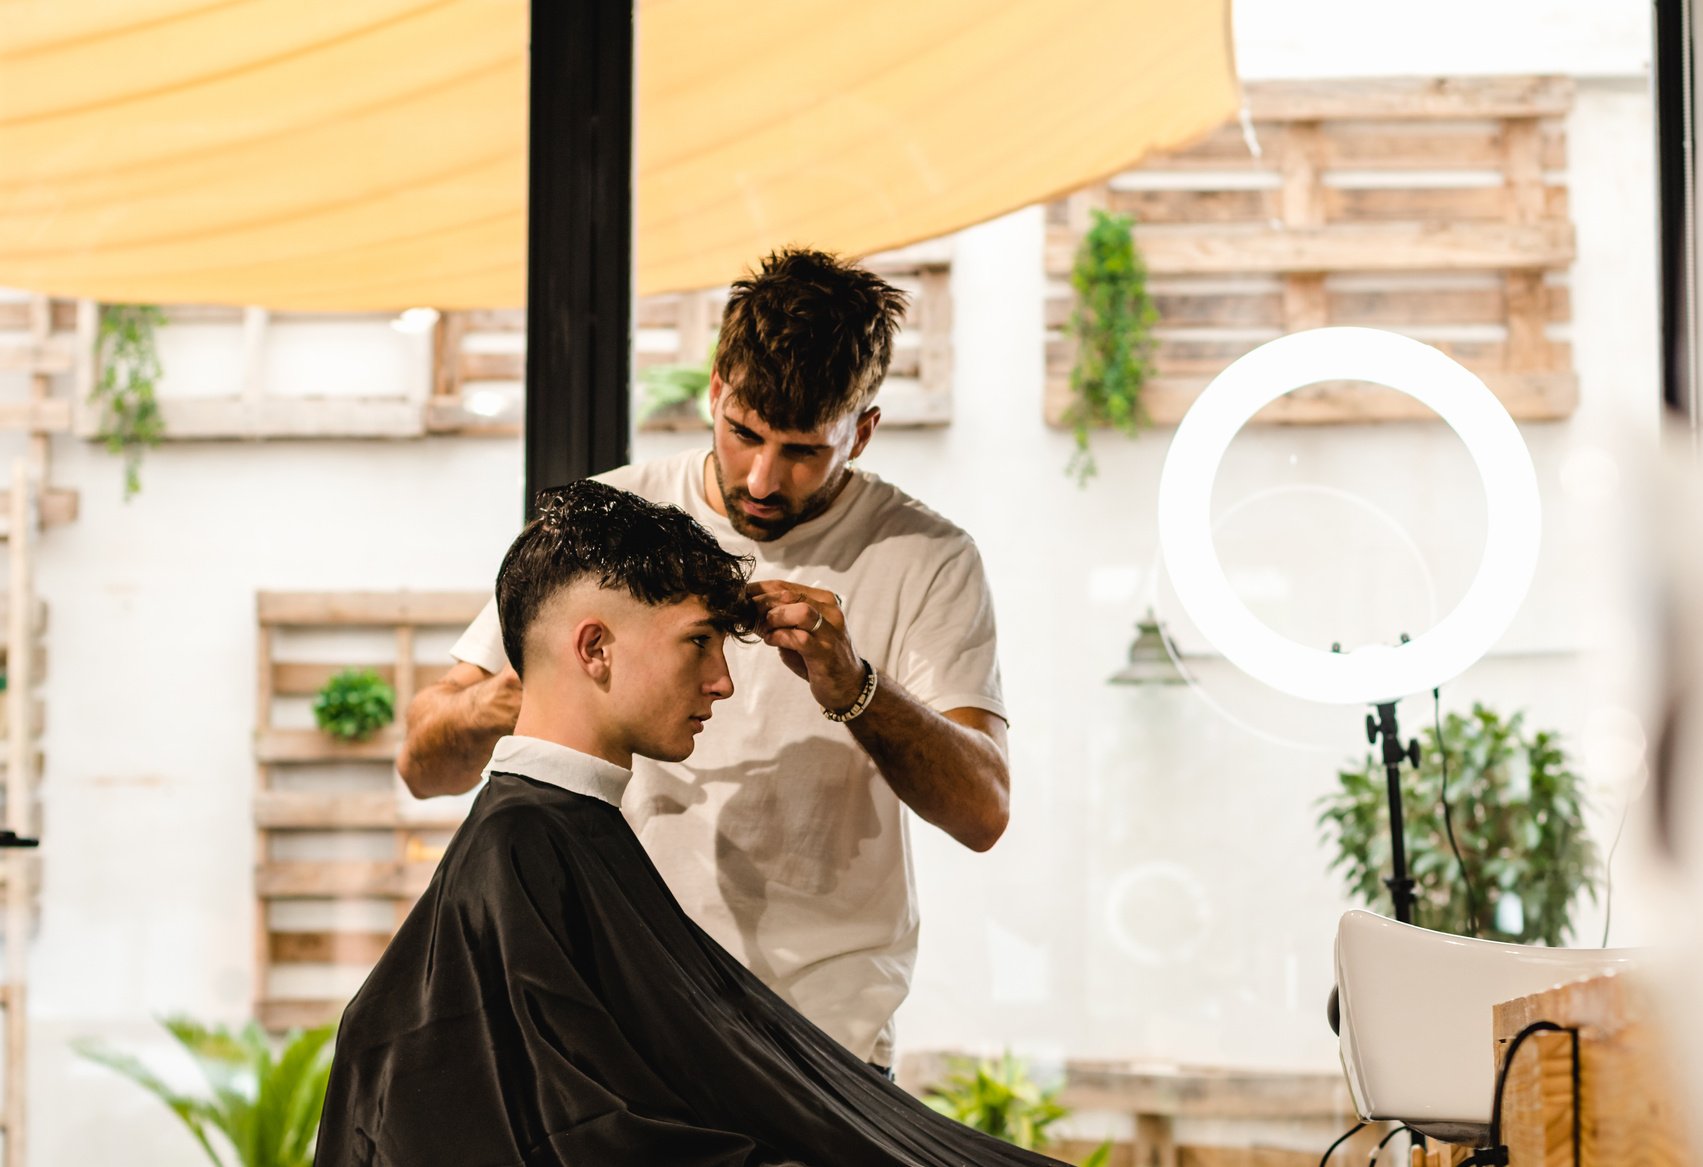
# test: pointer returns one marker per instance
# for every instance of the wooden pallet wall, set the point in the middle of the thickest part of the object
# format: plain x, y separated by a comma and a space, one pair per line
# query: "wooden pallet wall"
481, 356
246, 405
342, 851
43, 340
1437, 208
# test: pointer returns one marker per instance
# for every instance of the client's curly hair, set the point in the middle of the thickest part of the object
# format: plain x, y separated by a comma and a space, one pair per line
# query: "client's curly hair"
657, 554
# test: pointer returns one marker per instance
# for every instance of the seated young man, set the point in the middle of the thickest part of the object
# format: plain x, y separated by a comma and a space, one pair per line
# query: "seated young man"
547, 1002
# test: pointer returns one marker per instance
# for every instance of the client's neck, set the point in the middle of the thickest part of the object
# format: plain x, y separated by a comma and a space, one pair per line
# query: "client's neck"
550, 715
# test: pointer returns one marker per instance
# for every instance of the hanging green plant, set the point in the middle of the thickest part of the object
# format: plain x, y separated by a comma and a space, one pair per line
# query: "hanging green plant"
1112, 325
1518, 815
129, 372
354, 704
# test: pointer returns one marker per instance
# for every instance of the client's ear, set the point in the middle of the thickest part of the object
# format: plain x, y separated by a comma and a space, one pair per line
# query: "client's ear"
591, 644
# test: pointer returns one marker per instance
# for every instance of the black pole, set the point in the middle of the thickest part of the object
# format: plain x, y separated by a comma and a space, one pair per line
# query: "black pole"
579, 241
1384, 725
1676, 186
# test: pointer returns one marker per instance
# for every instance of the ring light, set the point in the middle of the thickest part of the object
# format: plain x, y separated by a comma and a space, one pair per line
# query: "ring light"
1375, 673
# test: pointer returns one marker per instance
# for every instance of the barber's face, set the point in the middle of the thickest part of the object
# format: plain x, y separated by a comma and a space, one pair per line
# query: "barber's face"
772, 480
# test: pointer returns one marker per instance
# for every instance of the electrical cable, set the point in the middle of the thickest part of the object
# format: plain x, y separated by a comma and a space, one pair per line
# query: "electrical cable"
1448, 815
1346, 1135
1399, 1127
1608, 873
1496, 1154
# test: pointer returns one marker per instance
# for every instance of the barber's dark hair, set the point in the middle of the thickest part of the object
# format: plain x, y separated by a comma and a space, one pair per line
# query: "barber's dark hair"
808, 338
657, 554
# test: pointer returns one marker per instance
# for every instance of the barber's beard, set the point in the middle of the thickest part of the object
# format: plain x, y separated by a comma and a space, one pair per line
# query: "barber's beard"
763, 530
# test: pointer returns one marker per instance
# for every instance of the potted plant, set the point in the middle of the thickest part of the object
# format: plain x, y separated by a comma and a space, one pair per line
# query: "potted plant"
1112, 324
1000, 1099
262, 1107
354, 704
1516, 809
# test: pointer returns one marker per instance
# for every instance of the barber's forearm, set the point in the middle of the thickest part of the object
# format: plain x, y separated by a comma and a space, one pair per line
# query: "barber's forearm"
952, 776
449, 740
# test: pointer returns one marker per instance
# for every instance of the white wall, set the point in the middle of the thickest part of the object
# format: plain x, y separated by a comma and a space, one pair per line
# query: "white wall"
1161, 892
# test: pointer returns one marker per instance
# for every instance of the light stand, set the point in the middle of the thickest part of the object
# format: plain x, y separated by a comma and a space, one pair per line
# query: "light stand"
1383, 725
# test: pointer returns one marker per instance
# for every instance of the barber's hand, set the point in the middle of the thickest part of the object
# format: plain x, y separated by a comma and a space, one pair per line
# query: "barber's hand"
497, 699
808, 626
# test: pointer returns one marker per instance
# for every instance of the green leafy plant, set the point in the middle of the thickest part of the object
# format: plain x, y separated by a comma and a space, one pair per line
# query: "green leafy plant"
667, 387
1518, 816
354, 704
1000, 1099
261, 1108
129, 371
1112, 325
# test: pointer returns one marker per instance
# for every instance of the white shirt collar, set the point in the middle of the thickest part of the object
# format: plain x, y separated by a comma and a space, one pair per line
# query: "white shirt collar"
561, 766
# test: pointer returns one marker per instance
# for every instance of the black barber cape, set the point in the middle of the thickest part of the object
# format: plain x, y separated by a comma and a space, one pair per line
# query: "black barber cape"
548, 1002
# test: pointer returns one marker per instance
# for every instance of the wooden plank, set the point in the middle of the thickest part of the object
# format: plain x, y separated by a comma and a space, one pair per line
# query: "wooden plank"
492, 319
369, 609
49, 416
222, 418
1351, 204
277, 1016
1356, 247
1627, 1093
1184, 355
342, 880
1361, 247
356, 948
17, 315
1527, 396
1203, 1093
300, 811
1410, 98
52, 356
304, 678
287, 746
493, 367
58, 506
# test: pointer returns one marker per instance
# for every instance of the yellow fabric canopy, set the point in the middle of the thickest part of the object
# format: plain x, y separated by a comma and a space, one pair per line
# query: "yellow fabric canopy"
371, 154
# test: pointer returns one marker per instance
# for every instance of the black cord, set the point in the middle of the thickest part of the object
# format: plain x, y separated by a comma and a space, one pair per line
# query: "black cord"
1346, 1135
1448, 816
1401, 1126
1496, 1154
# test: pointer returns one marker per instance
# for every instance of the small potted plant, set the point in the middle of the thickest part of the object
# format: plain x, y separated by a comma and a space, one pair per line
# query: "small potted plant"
1000, 1099
354, 704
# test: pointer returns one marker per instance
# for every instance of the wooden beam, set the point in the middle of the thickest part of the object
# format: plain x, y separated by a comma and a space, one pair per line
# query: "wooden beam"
1360, 247
216, 418
1527, 396
373, 609
310, 745
347, 880
356, 948
299, 811
277, 1016
302, 678
1409, 99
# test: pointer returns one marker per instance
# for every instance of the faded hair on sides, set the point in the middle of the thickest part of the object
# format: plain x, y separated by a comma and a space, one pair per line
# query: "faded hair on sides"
657, 554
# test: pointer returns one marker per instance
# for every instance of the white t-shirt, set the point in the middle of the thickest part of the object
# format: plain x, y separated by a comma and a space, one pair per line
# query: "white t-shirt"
778, 835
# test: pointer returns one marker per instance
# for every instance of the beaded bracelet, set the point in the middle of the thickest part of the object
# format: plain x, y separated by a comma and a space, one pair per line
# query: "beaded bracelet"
863, 698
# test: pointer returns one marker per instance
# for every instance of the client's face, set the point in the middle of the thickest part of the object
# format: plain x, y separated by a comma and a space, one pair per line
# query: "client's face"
672, 673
